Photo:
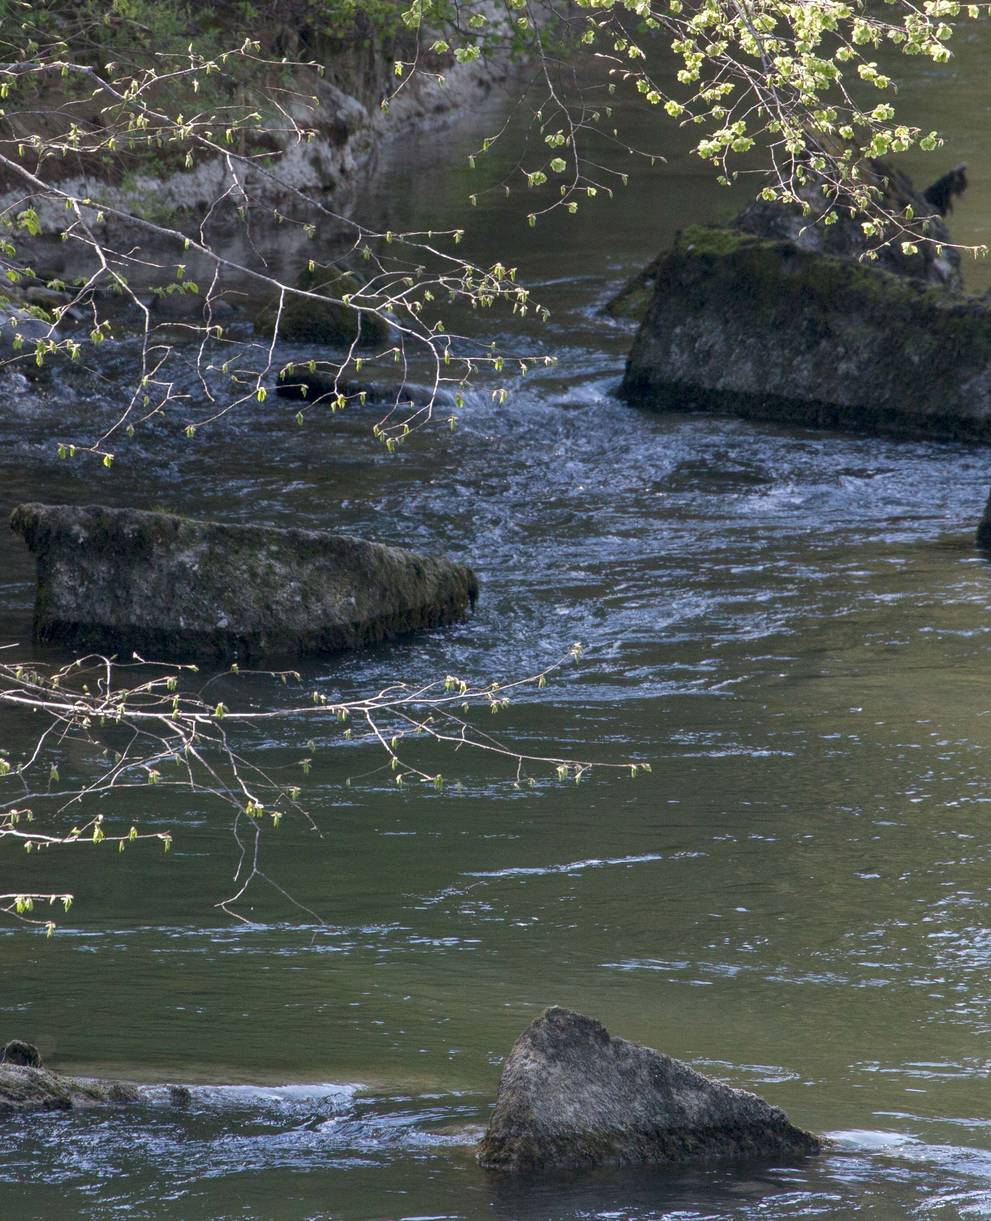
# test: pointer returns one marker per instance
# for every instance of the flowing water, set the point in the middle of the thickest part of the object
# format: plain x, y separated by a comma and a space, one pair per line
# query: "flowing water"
793, 627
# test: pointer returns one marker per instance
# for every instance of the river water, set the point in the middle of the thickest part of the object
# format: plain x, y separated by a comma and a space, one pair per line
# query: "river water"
792, 627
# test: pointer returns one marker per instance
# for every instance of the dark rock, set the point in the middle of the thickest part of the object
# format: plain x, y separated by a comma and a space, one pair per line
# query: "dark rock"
760, 328
19, 1052
936, 261
116, 580
984, 528
319, 386
943, 191
634, 298
844, 239
180, 1096
572, 1097
329, 323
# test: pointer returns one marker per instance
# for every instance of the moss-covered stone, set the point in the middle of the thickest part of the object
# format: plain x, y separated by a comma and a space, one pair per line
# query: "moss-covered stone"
755, 327
633, 299
935, 262
572, 1097
117, 580
326, 323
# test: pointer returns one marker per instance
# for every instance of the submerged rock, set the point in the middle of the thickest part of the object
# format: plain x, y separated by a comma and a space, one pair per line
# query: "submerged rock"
25, 1087
747, 326
172, 588
571, 1097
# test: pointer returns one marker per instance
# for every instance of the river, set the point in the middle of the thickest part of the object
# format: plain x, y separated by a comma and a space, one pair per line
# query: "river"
792, 627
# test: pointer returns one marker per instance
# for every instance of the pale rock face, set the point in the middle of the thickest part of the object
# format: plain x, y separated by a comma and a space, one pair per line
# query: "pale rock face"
572, 1097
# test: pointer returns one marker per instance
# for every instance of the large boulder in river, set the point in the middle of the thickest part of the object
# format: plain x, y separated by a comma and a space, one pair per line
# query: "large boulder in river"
172, 588
762, 328
572, 1097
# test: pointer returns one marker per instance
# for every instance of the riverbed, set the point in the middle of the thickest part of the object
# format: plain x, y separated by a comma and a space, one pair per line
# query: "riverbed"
791, 626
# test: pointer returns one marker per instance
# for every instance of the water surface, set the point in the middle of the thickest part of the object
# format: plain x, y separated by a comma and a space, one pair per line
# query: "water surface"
791, 626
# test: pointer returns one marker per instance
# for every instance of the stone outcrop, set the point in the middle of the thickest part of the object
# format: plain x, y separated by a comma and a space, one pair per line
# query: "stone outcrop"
935, 262
573, 1097
356, 138
170, 588
27, 1088
762, 328
26, 1085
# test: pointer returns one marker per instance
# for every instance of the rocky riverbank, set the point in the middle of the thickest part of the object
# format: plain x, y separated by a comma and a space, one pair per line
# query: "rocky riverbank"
345, 101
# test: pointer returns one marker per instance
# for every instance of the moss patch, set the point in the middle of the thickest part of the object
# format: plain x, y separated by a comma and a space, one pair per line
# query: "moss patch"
325, 323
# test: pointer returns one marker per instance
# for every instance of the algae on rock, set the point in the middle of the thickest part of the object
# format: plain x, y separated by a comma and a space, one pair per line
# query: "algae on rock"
327, 323
934, 262
26, 1085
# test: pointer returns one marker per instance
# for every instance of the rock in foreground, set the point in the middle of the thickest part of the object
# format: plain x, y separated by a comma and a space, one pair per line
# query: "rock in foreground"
572, 1097
748, 326
116, 580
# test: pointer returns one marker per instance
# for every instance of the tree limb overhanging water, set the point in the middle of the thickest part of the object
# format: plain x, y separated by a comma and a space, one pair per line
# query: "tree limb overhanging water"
769, 75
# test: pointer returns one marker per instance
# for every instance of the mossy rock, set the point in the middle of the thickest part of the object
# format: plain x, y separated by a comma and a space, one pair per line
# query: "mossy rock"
26, 1087
169, 587
935, 261
324, 323
633, 299
749, 326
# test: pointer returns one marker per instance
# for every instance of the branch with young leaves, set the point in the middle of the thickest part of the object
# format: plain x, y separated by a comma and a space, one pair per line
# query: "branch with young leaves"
145, 724
190, 370
796, 82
